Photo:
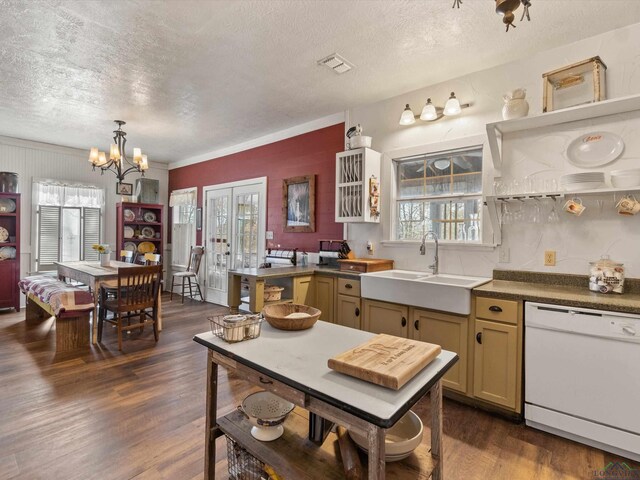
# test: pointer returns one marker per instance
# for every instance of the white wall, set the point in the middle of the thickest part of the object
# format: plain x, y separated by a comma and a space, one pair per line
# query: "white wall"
40, 160
576, 240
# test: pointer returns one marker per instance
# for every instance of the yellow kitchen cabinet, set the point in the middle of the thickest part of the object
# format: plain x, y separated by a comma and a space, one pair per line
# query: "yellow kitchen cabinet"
348, 311
383, 317
303, 291
325, 297
495, 377
449, 331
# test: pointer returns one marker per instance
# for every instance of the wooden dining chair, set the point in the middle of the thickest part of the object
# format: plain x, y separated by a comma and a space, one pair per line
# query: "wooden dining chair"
190, 274
136, 296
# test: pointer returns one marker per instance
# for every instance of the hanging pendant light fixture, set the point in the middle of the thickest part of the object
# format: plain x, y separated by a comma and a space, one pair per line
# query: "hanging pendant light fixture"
505, 8
118, 163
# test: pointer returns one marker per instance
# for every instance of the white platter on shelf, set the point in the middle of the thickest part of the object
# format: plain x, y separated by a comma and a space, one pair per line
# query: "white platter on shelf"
595, 149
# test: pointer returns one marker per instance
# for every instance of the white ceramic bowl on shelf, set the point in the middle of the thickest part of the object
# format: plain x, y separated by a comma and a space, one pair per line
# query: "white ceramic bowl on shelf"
625, 178
400, 440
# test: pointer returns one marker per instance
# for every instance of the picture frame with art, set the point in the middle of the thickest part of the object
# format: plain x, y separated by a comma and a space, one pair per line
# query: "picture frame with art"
298, 204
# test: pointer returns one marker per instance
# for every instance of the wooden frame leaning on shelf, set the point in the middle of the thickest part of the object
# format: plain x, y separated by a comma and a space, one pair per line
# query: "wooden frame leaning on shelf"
298, 204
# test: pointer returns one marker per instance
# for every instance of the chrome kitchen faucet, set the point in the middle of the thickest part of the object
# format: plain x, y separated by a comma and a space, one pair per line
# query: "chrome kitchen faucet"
423, 250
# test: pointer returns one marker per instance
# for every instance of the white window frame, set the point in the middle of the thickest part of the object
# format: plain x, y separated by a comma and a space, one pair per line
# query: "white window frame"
390, 185
174, 247
36, 264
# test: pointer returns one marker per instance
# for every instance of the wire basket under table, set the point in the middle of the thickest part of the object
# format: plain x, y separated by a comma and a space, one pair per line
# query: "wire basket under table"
243, 465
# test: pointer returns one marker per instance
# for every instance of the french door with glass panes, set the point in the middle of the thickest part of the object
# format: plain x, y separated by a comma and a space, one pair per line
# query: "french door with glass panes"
235, 222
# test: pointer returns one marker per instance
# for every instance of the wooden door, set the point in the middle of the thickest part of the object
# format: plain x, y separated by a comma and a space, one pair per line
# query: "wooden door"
383, 317
495, 363
451, 333
303, 290
325, 297
348, 311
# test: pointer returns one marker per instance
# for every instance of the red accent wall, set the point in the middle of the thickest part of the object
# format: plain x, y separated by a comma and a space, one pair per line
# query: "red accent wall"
307, 154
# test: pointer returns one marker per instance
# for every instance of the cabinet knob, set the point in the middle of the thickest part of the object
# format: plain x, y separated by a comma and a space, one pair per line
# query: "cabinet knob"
348, 286
416, 324
404, 322
357, 312
495, 308
479, 337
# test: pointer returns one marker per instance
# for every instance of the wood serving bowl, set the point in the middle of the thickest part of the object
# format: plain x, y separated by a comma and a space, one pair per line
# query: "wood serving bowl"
276, 316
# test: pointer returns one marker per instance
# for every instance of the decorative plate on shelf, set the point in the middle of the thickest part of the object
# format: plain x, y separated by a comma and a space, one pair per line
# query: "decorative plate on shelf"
7, 205
146, 247
129, 216
4, 235
595, 149
130, 246
7, 253
148, 232
128, 232
149, 217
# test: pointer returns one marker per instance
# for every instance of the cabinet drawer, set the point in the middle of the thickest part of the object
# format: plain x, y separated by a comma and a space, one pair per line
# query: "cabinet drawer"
354, 268
260, 379
496, 309
349, 287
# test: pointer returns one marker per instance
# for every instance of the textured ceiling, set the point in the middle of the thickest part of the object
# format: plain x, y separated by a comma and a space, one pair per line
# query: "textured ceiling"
194, 76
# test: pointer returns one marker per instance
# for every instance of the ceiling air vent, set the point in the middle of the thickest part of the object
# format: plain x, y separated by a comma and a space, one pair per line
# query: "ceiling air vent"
336, 63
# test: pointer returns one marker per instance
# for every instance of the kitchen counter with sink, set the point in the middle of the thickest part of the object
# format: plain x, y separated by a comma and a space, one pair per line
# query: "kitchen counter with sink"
447, 293
561, 289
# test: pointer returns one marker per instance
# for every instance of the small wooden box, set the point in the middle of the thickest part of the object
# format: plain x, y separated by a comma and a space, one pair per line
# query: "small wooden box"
364, 265
577, 84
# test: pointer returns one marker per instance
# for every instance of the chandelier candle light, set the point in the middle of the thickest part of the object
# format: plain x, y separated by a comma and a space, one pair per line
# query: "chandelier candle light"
118, 163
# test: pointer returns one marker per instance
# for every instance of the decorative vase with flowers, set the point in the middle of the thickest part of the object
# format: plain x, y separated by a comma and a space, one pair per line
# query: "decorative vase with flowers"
105, 254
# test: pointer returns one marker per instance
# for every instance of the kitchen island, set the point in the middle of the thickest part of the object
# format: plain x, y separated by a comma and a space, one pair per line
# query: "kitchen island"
258, 277
293, 365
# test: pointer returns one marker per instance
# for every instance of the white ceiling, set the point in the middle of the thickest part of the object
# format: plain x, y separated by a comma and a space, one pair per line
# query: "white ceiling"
194, 76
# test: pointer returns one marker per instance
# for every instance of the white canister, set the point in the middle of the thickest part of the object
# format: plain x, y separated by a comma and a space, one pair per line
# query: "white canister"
234, 327
515, 105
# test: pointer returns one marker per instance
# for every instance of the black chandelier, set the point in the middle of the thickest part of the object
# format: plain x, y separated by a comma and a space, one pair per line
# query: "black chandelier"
118, 162
506, 9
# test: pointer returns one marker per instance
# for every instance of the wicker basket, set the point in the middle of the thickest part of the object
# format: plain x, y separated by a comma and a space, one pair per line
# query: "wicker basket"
272, 293
276, 316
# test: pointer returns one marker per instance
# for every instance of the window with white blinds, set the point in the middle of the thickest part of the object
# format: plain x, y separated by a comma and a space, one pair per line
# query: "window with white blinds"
69, 223
183, 225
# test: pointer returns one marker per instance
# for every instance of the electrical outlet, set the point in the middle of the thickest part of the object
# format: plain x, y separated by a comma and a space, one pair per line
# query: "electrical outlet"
503, 254
269, 235
549, 258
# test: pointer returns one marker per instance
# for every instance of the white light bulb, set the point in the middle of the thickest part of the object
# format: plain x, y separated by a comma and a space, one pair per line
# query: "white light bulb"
407, 117
429, 112
452, 107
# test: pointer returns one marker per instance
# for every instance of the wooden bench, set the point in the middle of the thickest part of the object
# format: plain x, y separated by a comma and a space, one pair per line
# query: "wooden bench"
73, 329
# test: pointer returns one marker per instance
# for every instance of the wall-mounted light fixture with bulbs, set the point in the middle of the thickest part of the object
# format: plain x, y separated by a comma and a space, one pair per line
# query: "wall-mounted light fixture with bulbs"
431, 113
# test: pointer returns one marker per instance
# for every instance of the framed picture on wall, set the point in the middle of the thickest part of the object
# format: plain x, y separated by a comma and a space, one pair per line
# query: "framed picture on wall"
298, 204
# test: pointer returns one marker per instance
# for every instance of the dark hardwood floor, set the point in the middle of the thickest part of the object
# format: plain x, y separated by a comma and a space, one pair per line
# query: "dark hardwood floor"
140, 414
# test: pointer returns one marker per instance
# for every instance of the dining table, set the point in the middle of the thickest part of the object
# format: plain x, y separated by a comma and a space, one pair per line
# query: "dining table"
94, 275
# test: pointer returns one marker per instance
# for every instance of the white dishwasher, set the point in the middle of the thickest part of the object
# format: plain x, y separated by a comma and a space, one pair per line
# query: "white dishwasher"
582, 376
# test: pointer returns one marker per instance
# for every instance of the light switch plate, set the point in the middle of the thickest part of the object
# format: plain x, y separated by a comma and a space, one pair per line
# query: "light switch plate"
503, 255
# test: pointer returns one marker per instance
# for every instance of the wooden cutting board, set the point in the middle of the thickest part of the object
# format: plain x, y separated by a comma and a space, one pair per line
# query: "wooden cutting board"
366, 264
386, 360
